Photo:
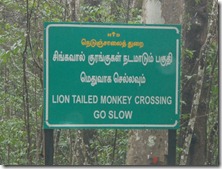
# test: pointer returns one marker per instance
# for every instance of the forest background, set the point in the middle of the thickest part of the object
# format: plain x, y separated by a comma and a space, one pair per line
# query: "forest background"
21, 86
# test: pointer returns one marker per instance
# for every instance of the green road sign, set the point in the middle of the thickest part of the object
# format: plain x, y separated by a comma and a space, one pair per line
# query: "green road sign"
111, 76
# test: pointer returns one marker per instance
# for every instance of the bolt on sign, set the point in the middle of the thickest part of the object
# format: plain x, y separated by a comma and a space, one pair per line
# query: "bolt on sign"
111, 76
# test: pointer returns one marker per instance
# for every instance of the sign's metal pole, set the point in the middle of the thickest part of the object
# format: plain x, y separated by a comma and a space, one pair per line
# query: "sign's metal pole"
171, 158
49, 148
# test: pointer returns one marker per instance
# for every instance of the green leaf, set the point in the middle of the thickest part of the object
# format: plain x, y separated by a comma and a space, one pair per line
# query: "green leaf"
4, 56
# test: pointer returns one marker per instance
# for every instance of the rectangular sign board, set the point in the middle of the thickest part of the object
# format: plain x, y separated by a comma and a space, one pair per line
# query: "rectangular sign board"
111, 76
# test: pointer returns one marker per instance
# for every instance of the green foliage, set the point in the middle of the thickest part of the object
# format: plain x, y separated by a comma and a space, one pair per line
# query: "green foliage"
197, 1
213, 115
109, 11
188, 53
95, 14
185, 116
13, 139
104, 146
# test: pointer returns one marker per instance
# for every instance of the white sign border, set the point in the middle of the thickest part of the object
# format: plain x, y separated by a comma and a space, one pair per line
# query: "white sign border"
109, 125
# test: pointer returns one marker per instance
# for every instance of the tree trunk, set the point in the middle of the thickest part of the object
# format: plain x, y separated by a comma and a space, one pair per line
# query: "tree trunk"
212, 146
25, 84
137, 148
200, 129
149, 147
82, 153
74, 9
195, 154
193, 32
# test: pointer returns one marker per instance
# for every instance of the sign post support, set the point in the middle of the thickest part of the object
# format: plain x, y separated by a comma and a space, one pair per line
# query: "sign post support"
49, 148
171, 158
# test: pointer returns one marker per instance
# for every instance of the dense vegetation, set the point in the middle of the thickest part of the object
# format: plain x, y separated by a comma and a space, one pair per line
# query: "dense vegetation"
21, 85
